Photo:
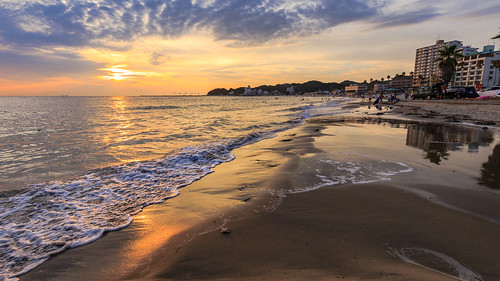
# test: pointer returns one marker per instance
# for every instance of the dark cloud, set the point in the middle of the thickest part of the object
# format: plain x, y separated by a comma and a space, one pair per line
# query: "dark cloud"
249, 21
334, 12
96, 23
16, 66
79, 23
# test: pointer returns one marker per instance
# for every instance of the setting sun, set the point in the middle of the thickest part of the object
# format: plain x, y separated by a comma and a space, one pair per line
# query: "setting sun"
117, 73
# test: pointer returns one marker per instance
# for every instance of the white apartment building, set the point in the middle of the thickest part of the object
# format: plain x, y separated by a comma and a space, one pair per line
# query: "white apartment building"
425, 64
478, 69
380, 87
426, 68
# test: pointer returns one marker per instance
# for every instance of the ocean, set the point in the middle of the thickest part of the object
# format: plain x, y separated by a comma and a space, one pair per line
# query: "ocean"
72, 168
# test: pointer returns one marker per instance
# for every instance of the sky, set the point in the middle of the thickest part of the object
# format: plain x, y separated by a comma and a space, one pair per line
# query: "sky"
162, 47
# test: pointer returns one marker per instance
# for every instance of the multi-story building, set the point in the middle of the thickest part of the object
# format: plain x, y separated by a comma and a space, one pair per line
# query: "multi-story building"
425, 64
427, 71
380, 87
356, 89
478, 69
402, 82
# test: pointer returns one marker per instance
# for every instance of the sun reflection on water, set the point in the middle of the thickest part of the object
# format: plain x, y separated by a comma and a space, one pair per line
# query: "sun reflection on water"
117, 139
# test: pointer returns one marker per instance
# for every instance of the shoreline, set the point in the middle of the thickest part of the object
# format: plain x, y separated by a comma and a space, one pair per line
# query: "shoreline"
254, 235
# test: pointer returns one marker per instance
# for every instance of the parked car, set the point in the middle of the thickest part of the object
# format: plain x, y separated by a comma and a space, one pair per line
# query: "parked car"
460, 92
490, 92
424, 93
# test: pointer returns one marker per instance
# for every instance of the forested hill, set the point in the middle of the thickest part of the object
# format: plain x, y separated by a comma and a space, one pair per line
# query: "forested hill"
300, 88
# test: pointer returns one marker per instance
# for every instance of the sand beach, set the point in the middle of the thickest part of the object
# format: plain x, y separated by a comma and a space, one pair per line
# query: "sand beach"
408, 192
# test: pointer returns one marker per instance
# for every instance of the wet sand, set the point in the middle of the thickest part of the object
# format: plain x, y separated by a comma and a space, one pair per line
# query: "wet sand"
440, 214
337, 234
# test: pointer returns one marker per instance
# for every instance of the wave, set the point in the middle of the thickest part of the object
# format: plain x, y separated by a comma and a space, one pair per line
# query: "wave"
48, 218
330, 172
153, 107
436, 261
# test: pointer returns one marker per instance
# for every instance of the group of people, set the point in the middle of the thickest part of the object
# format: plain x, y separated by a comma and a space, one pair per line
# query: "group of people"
392, 99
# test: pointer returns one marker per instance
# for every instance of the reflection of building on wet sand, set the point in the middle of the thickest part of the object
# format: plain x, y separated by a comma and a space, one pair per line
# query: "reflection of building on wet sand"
436, 140
490, 171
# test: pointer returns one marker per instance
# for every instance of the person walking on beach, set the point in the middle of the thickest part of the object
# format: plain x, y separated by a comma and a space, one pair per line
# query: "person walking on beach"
379, 99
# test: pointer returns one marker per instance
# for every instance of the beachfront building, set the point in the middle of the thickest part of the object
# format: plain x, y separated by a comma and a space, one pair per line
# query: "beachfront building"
248, 91
402, 82
427, 71
380, 87
478, 69
356, 89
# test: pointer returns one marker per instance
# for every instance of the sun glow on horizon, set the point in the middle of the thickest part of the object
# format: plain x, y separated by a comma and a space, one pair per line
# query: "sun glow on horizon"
118, 73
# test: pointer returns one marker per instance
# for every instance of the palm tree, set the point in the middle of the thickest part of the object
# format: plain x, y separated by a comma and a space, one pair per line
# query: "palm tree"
403, 73
447, 62
496, 37
388, 77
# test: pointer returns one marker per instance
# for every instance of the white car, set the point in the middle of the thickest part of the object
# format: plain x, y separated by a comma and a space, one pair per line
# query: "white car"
490, 92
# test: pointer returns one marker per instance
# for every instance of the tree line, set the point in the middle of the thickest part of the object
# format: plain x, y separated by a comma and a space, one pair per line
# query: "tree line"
299, 88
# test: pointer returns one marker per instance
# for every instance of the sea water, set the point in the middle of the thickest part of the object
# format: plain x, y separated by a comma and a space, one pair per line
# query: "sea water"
72, 168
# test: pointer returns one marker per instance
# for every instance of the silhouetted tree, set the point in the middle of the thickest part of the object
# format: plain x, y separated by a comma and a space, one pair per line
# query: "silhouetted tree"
490, 175
218, 92
447, 62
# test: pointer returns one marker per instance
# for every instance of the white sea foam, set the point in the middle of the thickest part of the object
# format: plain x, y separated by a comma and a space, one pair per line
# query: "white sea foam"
458, 271
332, 172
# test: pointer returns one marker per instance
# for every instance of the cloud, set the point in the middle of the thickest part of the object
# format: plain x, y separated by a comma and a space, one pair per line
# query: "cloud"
114, 23
18, 66
482, 11
118, 73
158, 58
401, 18
93, 23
